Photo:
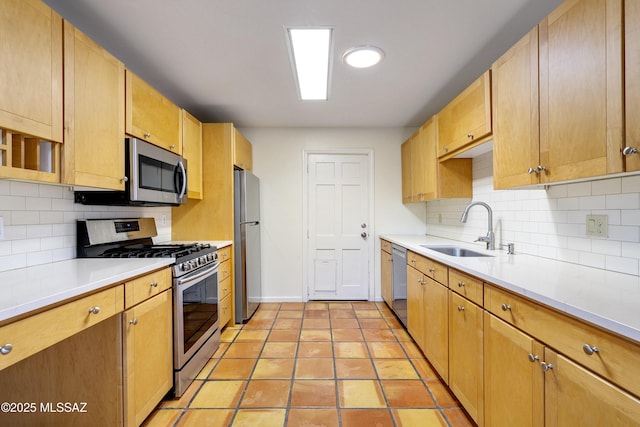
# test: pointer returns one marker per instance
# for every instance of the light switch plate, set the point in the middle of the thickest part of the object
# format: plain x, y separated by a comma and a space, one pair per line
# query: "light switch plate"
597, 225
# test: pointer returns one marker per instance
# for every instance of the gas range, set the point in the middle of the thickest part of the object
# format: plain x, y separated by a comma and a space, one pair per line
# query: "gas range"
132, 238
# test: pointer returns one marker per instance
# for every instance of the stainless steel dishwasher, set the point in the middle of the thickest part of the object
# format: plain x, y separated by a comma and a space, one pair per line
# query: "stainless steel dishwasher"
399, 283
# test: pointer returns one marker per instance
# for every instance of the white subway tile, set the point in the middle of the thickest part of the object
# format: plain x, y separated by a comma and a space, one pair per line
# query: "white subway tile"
577, 217
12, 262
579, 189
558, 192
606, 186
579, 244
569, 203
39, 231
62, 205
593, 202
49, 243
623, 201
631, 184
15, 232
64, 254
630, 250
51, 191
624, 233
19, 188
623, 265
64, 229
606, 247
5, 187
41, 257
631, 217
25, 217
613, 215
592, 260
37, 204
569, 255
5, 248
25, 246
51, 217
13, 203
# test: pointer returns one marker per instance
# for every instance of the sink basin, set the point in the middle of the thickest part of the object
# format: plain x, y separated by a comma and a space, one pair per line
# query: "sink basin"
455, 251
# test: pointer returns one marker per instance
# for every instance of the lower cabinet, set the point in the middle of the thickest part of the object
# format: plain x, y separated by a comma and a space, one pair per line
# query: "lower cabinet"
415, 305
148, 356
436, 326
513, 377
466, 355
386, 272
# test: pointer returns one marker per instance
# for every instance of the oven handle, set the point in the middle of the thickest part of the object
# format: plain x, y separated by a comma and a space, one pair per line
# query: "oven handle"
193, 278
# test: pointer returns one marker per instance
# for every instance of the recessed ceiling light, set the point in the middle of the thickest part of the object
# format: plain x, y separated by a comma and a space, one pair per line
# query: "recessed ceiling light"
363, 56
309, 51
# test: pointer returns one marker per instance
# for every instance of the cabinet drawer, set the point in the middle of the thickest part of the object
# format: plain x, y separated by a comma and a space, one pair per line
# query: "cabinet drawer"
467, 286
33, 334
616, 359
225, 311
224, 254
224, 288
142, 288
225, 270
386, 246
429, 267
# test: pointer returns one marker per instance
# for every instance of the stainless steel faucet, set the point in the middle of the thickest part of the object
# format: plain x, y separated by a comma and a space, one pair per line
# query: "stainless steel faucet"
489, 239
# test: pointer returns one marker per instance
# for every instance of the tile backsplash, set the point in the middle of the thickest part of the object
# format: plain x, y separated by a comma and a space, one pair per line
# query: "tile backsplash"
40, 222
550, 223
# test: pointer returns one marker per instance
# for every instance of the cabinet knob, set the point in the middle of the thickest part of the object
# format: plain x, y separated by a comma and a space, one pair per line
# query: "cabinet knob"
533, 358
460, 308
133, 321
154, 284
470, 135
537, 169
147, 135
506, 307
124, 179
590, 350
446, 149
461, 284
432, 270
546, 366
94, 310
629, 150
172, 146
6, 349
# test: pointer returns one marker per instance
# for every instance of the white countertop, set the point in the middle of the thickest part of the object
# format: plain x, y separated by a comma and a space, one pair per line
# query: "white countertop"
607, 299
27, 289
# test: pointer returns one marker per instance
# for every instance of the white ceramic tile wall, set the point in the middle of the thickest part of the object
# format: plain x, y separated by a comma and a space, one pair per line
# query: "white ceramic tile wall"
40, 222
550, 223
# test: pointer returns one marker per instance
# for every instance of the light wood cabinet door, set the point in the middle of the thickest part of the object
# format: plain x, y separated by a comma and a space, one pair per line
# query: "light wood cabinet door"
632, 82
516, 131
581, 99
192, 152
407, 171
242, 152
93, 152
386, 276
436, 326
418, 165
513, 377
466, 355
467, 118
31, 63
415, 305
148, 356
151, 116
575, 396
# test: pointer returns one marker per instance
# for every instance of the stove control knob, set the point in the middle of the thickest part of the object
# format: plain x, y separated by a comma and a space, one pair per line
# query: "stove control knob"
185, 267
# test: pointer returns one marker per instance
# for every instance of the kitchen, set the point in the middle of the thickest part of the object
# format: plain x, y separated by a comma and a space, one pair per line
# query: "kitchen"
545, 223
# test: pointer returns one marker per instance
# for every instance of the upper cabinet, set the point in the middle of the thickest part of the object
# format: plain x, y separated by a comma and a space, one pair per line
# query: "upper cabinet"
424, 177
242, 152
516, 131
31, 69
151, 116
466, 121
192, 152
581, 90
93, 152
632, 84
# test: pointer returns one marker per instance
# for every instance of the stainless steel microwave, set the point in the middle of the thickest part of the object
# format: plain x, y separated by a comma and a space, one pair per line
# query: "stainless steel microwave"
153, 177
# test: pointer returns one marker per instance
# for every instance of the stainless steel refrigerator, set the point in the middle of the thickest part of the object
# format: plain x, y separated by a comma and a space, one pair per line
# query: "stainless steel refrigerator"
247, 244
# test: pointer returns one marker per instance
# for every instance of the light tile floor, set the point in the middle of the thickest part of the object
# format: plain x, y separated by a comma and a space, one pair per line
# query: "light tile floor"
315, 364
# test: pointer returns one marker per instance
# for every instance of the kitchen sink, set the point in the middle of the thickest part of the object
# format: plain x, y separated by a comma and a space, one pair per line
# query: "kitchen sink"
455, 251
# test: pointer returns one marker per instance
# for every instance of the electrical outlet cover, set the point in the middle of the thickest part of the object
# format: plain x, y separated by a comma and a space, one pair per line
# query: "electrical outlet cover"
597, 225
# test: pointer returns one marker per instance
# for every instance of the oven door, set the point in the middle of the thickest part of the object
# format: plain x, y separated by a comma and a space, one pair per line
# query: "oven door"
195, 312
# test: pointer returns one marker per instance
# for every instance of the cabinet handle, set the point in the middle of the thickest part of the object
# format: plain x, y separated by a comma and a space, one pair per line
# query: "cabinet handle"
133, 321
506, 307
432, 270
147, 135
629, 150
537, 169
590, 350
546, 366
533, 358
94, 310
460, 308
470, 135
154, 284
6, 349
461, 284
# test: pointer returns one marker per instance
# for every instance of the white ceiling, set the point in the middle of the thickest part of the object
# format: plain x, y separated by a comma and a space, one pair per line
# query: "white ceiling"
227, 60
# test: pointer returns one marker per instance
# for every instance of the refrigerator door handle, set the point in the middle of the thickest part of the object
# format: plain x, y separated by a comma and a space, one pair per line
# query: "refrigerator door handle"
250, 223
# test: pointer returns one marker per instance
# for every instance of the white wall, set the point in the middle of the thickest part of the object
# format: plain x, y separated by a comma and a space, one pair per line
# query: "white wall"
40, 222
550, 223
278, 161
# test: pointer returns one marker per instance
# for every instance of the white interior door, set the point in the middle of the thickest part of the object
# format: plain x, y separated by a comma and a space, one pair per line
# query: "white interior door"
338, 226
